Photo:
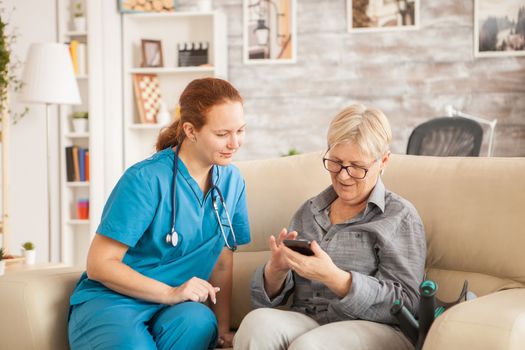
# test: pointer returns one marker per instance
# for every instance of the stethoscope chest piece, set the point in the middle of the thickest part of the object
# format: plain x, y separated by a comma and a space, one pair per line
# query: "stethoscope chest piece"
172, 237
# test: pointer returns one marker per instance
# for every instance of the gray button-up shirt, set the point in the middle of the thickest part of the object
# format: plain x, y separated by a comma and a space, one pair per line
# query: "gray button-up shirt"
383, 248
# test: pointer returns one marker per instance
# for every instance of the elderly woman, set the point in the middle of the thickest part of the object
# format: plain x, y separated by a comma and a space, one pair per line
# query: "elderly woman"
369, 250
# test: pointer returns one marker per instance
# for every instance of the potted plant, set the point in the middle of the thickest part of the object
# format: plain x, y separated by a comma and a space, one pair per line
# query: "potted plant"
80, 121
2, 261
29, 253
79, 18
291, 152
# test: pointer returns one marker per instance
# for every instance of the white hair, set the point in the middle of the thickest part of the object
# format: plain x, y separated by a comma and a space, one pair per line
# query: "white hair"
368, 128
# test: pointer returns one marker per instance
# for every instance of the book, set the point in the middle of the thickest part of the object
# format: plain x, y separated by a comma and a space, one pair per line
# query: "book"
75, 163
70, 170
73, 50
81, 164
87, 164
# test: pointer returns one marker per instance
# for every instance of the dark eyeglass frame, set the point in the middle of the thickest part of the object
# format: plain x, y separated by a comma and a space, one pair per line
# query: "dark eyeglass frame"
346, 167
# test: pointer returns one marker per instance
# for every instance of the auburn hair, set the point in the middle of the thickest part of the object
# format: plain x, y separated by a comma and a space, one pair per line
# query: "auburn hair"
195, 101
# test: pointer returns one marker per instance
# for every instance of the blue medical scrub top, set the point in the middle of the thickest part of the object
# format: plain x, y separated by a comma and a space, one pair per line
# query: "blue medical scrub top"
139, 214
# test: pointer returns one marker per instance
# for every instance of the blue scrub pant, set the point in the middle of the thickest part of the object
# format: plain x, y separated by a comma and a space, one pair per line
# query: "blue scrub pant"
125, 323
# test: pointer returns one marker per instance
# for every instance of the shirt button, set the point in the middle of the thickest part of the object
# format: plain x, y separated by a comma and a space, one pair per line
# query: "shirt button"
317, 294
327, 239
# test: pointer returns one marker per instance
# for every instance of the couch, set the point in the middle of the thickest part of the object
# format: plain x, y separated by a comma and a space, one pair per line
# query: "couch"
473, 213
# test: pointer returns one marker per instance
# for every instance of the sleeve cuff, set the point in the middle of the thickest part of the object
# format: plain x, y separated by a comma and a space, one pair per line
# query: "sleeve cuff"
359, 297
106, 231
259, 296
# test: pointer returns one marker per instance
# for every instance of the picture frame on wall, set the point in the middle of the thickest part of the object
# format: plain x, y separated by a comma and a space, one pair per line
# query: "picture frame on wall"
132, 6
382, 15
151, 53
147, 97
499, 28
269, 31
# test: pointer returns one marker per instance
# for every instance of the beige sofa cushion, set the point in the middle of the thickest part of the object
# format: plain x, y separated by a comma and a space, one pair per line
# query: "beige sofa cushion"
492, 322
472, 209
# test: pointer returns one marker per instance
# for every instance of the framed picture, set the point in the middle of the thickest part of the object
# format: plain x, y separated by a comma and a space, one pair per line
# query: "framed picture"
269, 31
151, 53
147, 96
499, 28
130, 6
381, 15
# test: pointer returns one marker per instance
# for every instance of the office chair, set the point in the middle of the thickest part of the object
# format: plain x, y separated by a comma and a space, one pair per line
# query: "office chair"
446, 136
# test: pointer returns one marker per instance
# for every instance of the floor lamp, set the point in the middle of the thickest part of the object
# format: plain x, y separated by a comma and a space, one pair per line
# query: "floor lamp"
49, 79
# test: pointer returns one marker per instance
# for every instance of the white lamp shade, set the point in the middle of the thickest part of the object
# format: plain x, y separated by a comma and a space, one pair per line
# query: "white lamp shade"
48, 75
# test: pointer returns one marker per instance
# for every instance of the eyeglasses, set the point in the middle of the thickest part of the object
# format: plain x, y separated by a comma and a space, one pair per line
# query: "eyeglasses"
355, 172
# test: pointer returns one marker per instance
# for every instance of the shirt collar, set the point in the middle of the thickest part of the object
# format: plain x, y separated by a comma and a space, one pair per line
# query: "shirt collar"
325, 198
377, 196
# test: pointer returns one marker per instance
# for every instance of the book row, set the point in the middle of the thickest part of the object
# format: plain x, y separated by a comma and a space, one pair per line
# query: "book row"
77, 163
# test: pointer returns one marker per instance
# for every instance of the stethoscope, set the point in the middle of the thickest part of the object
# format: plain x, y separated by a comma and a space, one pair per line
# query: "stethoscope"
173, 237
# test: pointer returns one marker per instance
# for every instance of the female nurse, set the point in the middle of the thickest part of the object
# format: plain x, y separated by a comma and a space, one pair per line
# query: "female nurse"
159, 269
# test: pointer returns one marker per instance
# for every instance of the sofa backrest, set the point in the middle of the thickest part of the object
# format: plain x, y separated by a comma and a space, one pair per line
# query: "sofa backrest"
471, 209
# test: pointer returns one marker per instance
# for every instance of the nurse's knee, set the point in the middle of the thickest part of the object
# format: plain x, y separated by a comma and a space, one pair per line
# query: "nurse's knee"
195, 317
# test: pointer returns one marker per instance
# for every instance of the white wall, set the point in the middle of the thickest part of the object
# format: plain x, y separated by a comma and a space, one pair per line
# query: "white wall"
35, 21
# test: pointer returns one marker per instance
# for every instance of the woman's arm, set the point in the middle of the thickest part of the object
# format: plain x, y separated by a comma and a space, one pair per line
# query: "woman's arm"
104, 264
222, 278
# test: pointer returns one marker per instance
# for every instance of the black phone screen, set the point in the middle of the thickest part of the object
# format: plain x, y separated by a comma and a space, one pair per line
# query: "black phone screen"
300, 246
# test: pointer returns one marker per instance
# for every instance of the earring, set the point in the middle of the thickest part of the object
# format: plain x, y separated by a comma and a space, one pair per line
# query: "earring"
382, 172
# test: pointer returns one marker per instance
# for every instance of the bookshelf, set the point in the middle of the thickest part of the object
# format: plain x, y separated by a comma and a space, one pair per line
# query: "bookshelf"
171, 29
77, 231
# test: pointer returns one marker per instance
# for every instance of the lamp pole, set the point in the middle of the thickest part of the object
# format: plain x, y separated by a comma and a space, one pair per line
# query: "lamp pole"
48, 170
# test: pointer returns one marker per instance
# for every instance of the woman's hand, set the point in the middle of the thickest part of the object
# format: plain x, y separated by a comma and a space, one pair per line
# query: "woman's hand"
319, 267
194, 289
276, 268
225, 340
277, 262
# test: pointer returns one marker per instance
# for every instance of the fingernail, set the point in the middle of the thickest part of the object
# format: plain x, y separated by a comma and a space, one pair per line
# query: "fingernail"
215, 301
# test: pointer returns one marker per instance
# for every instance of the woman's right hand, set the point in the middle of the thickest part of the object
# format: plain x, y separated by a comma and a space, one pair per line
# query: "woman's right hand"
194, 289
277, 262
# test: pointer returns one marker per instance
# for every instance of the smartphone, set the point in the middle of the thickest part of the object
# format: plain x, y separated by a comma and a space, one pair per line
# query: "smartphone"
299, 245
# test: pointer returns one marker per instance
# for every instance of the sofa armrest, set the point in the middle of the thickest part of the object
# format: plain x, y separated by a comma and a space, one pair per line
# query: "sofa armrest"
494, 321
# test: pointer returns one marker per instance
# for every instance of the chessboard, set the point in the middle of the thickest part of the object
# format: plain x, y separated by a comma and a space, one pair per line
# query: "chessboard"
147, 96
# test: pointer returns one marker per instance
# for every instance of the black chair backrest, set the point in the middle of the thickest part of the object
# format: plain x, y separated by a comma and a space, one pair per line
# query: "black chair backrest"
446, 136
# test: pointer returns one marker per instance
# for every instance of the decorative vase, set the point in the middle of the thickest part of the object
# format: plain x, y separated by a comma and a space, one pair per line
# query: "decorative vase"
163, 115
2, 267
80, 124
79, 24
30, 256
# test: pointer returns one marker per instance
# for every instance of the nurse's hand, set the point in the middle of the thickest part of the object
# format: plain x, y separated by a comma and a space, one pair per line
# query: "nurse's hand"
195, 289
277, 263
225, 340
